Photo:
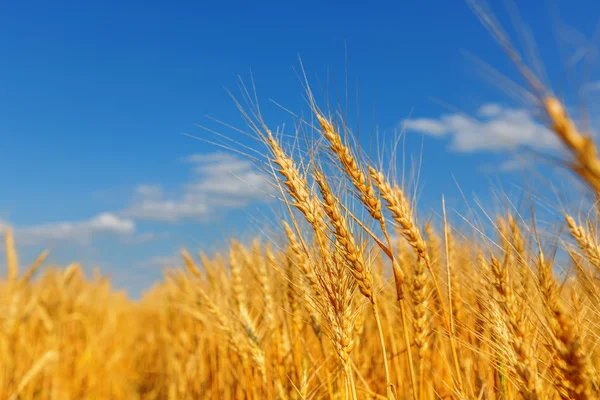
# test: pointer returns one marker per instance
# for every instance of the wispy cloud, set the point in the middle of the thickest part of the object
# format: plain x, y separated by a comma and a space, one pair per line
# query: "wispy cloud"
162, 261
80, 232
141, 238
515, 164
498, 128
219, 182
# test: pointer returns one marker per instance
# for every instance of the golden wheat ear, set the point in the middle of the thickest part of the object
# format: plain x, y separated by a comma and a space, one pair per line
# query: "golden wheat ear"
12, 261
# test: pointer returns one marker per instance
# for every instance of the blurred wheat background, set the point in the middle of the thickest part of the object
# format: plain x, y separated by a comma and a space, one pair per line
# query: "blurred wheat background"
352, 295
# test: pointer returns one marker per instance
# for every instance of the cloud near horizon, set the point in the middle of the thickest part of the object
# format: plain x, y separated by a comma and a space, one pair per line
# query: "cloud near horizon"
498, 128
219, 182
79, 232
171, 261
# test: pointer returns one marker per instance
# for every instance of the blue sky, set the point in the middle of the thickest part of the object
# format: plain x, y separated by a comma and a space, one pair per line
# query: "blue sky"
95, 96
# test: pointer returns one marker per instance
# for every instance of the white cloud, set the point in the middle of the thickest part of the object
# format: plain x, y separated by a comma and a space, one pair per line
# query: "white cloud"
499, 128
140, 238
514, 164
220, 181
76, 231
490, 110
162, 261
166, 210
148, 191
426, 125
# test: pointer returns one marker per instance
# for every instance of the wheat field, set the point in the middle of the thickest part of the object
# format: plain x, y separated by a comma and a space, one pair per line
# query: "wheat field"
352, 294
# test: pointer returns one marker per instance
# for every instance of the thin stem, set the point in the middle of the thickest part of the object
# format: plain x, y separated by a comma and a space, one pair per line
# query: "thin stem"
403, 314
408, 352
388, 383
421, 378
352, 384
450, 319
395, 350
327, 375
